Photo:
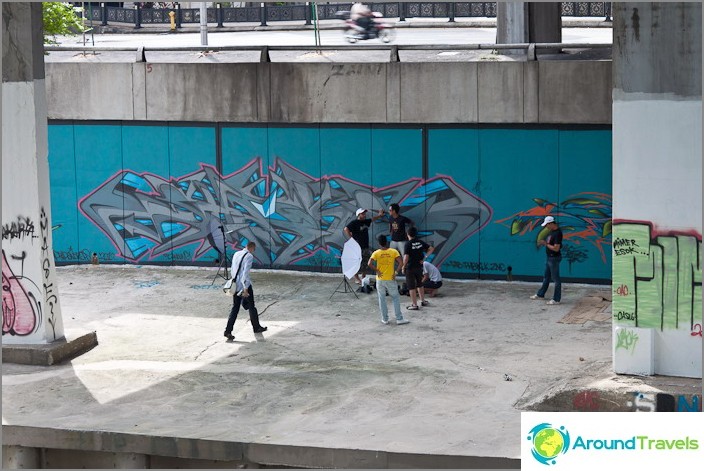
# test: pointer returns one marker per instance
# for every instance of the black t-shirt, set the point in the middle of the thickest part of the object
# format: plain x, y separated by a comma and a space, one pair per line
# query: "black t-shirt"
415, 249
555, 237
360, 231
397, 227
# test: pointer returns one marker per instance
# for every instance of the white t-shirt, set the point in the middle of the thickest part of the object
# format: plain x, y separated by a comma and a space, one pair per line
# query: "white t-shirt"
432, 271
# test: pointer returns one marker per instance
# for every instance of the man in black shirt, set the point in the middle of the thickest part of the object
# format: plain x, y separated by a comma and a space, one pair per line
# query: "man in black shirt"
359, 230
416, 252
553, 244
398, 225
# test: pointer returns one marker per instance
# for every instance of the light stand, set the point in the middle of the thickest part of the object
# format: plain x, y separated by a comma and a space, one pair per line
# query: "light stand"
224, 261
346, 288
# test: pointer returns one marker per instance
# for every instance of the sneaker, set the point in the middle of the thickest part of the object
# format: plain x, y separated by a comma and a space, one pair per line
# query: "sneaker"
535, 296
384, 322
229, 336
424, 303
260, 330
552, 302
402, 321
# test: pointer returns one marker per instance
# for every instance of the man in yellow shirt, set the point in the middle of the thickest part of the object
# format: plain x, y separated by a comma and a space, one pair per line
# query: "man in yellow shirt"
386, 262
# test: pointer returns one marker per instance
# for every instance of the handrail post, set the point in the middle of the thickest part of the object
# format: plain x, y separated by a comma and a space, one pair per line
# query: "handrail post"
178, 15
137, 19
401, 16
307, 14
103, 14
452, 13
262, 14
219, 14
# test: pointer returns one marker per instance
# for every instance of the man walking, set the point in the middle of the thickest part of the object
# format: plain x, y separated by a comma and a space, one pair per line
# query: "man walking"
553, 244
416, 251
359, 230
385, 262
241, 265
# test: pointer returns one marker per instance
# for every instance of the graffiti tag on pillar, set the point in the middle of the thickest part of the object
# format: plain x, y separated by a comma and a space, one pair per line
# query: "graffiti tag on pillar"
51, 298
696, 330
21, 229
663, 276
626, 339
293, 215
20, 310
622, 290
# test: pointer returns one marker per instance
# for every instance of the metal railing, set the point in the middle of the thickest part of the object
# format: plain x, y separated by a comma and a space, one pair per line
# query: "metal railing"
105, 15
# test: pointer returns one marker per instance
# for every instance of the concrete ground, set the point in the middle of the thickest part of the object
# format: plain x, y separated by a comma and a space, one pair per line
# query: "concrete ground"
326, 374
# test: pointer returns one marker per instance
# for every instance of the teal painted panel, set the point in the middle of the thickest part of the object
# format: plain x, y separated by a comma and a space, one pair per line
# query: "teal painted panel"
192, 155
456, 212
346, 168
585, 205
64, 207
98, 153
189, 147
145, 154
295, 226
519, 179
245, 166
397, 172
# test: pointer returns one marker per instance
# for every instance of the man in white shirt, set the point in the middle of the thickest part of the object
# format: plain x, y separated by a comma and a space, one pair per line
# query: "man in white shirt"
241, 265
432, 279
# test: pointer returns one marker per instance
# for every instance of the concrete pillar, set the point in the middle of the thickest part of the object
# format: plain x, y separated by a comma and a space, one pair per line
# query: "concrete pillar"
20, 457
30, 301
657, 187
528, 22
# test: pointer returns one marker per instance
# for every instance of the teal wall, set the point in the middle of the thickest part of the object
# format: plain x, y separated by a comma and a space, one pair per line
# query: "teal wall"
157, 193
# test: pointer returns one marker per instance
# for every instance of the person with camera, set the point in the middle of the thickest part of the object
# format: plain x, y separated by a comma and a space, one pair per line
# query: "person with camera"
241, 266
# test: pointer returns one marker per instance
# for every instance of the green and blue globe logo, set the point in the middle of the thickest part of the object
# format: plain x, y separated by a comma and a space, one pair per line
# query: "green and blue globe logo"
548, 442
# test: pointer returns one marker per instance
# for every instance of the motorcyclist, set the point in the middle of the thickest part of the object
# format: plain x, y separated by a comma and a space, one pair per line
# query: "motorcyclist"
362, 15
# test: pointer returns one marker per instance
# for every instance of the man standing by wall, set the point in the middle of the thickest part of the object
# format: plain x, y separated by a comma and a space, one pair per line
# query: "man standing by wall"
416, 251
553, 244
398, 225
359, 230
385, 262
241, 265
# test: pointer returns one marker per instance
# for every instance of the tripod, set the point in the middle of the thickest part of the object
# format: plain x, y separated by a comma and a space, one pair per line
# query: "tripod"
224, 261
346, 288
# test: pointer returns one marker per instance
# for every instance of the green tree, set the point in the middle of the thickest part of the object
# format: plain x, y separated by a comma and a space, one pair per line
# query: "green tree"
59, 19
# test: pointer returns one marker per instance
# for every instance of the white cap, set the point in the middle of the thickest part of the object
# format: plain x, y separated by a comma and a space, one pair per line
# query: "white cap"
548, 220
360, 211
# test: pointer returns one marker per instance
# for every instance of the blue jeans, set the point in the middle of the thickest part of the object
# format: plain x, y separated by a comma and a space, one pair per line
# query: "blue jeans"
552, 270
381, 287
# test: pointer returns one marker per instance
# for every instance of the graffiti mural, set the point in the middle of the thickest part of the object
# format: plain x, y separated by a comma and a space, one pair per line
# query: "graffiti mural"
583, 218
657, 278
291, 215
20, 309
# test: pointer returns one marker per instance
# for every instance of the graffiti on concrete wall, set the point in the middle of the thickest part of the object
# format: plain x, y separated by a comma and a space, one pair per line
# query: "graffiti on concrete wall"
657, 278
660, 402
583, 218
590, 401
291, 215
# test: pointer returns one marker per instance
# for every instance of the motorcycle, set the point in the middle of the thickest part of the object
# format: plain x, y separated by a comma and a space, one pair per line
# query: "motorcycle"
379, 29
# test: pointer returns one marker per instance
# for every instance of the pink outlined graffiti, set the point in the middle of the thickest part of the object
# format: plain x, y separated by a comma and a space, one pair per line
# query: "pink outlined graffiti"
291, 215
582, 217
20, 311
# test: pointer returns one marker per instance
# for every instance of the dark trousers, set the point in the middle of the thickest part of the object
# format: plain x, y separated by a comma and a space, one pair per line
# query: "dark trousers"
248, 304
